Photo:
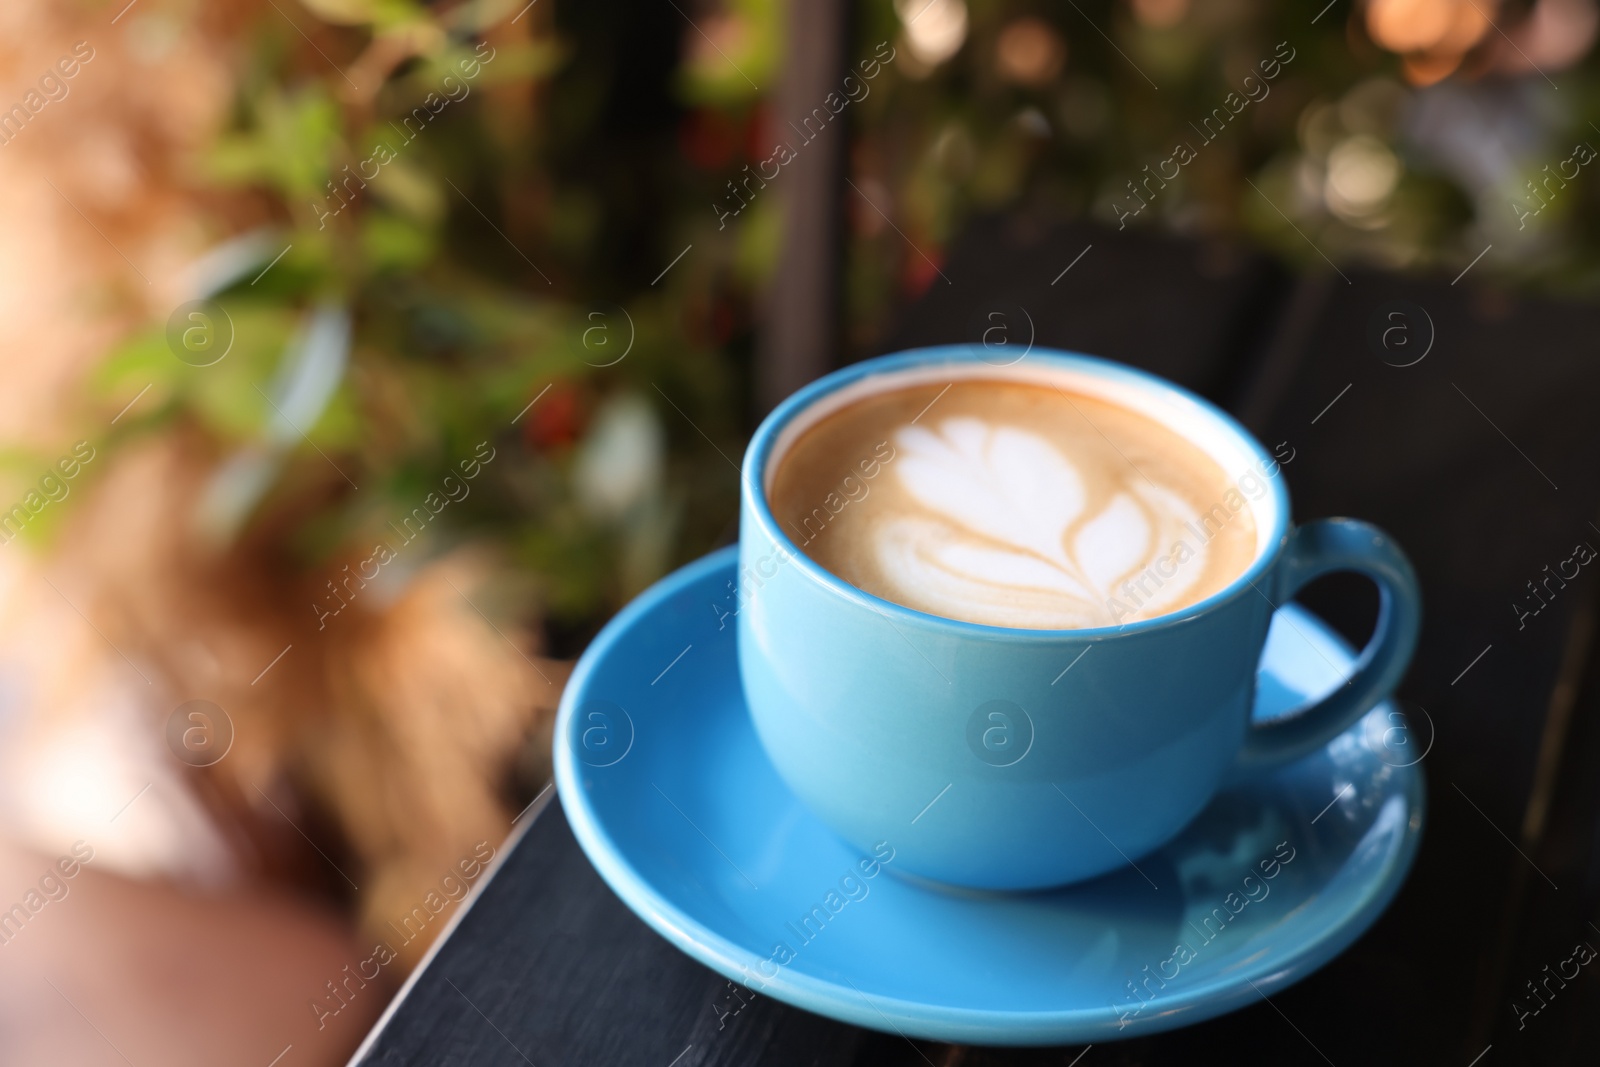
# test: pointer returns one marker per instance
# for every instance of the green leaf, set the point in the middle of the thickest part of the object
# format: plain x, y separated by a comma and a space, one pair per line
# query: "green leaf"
392, 243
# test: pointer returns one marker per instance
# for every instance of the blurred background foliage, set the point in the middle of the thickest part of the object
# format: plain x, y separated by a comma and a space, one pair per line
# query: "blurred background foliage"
542, 263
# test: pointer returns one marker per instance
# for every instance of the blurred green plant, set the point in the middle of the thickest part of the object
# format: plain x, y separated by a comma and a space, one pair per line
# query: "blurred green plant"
407, 295
442, 181
1400, 135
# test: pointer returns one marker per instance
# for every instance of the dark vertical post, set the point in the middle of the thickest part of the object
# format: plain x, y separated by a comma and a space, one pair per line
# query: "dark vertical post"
801, 321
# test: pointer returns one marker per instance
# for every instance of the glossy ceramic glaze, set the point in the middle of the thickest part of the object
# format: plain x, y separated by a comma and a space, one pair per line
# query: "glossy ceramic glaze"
673, 798
1002, 758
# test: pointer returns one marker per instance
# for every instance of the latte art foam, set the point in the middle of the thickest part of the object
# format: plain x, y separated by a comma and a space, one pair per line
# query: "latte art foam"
1015, 505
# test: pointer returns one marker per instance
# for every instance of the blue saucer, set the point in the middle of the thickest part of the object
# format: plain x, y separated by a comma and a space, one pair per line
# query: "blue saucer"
673, 800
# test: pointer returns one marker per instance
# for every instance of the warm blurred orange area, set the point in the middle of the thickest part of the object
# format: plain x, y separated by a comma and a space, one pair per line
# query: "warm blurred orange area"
1436, 36
96, 180
206, 927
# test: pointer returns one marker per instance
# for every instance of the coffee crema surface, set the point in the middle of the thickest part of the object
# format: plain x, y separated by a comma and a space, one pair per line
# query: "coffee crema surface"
1012, 504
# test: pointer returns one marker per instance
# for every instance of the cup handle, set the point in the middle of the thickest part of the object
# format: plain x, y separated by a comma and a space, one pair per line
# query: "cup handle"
1313, 550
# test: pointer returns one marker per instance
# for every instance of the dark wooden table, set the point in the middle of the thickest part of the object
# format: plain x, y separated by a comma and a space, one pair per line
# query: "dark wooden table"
1482, 459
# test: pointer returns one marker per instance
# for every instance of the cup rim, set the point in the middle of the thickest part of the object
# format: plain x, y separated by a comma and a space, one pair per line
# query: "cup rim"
759, 451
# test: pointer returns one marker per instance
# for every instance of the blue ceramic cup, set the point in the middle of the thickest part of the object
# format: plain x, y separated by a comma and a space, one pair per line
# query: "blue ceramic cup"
1004, 758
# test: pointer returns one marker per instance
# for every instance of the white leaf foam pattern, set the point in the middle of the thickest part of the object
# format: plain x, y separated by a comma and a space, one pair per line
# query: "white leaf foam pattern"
1006, 537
